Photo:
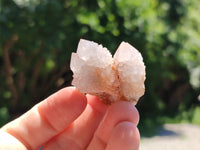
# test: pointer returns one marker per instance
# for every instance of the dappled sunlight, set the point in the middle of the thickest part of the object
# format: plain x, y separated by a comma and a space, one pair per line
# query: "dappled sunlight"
38, 36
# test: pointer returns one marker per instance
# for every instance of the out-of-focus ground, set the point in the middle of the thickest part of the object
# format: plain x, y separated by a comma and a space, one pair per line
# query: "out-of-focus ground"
173, 137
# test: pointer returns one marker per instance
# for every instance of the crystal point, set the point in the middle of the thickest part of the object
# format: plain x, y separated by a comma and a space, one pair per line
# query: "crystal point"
111, 79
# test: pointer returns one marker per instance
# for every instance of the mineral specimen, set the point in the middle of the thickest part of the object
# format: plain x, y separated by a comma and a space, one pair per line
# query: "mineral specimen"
111, 79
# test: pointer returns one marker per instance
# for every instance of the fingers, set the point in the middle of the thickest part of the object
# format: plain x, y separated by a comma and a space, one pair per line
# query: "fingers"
124, 136
48, 118
8, 142
80, 133
116, 113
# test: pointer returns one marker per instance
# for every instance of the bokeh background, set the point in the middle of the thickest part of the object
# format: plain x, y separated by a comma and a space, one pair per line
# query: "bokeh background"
37, 38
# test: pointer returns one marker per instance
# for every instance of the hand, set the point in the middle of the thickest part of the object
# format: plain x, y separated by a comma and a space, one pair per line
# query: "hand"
71, 120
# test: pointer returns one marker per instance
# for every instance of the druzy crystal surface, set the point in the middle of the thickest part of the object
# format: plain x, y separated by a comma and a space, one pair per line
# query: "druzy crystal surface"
96, 72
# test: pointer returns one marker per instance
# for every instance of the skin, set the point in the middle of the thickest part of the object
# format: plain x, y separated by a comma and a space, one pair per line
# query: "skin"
71, 120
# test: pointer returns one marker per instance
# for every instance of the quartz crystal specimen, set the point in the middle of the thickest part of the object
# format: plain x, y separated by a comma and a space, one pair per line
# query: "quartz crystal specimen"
116, 78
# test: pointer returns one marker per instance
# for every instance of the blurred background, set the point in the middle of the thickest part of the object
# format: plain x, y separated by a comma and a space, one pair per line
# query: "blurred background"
37, 38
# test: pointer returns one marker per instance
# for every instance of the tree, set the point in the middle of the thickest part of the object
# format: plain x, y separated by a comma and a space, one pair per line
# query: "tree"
38, 36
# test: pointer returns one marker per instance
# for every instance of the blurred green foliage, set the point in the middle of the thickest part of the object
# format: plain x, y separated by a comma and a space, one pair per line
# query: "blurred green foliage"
38, 36
4, 115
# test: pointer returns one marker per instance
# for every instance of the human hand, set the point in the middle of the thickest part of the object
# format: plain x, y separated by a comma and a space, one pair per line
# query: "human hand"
71, 120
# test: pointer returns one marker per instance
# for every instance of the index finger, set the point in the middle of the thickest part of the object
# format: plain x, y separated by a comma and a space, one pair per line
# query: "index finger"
116, 114
48, 118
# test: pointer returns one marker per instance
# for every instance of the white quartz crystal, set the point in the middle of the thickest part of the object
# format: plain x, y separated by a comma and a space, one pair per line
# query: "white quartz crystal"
111, 79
